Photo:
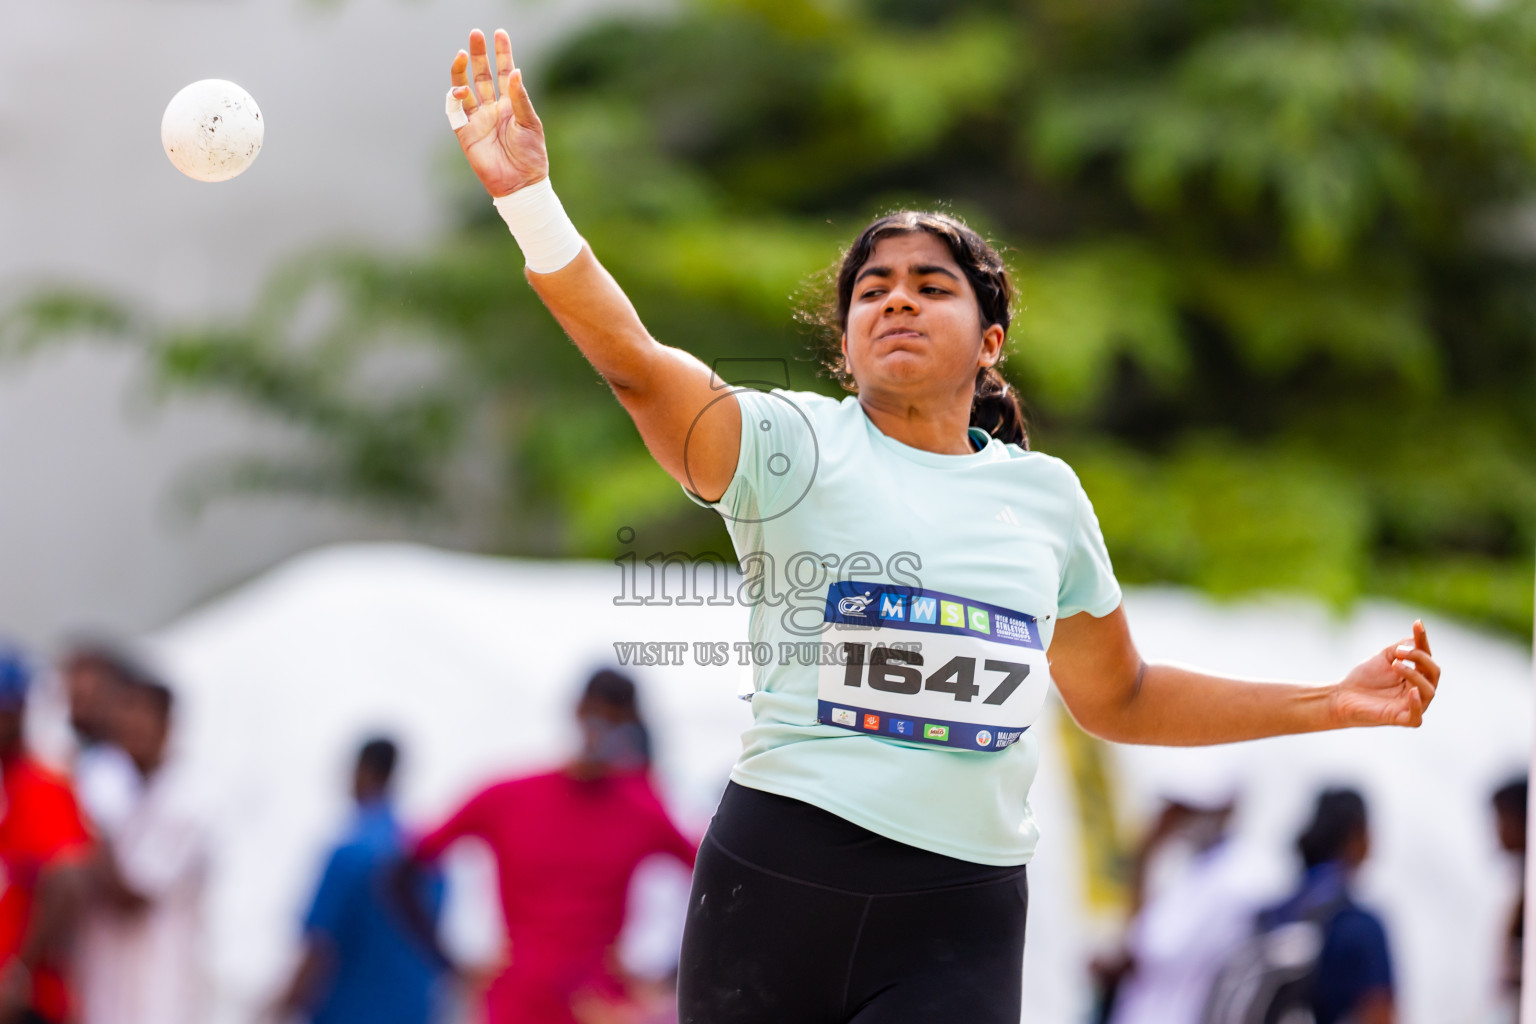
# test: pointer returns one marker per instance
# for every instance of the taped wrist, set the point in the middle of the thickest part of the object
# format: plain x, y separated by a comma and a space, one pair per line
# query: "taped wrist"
539, 223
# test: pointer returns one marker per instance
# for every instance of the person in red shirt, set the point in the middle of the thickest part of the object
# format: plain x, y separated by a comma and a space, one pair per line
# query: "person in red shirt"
566, 845
42, 832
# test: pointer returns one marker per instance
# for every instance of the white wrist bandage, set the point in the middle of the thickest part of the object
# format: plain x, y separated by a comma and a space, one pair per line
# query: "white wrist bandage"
545, 234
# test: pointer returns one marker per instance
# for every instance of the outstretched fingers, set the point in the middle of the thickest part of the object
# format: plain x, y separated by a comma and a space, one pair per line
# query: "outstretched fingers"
480, 65
459, 74
522, 106
503, 61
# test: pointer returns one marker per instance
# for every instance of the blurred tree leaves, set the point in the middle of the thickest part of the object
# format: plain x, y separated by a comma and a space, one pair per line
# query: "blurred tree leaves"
1115, 302
1278, 301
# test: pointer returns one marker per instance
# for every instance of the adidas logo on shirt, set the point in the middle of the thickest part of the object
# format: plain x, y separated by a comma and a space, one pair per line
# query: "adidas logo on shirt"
1007, 516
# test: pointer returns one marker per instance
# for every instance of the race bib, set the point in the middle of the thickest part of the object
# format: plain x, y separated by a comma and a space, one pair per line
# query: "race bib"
929, 667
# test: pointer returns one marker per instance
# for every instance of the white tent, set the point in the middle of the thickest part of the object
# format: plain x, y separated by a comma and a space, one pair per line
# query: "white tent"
473, 664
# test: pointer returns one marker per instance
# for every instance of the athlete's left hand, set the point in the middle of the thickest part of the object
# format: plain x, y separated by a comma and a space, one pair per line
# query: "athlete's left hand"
1393, 687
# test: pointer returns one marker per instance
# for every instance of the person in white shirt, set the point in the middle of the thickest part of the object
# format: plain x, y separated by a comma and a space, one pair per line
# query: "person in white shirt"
1197, 901
106, 781
141, 951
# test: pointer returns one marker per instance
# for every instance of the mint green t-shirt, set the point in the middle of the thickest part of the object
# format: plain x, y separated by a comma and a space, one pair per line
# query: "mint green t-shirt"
833, 520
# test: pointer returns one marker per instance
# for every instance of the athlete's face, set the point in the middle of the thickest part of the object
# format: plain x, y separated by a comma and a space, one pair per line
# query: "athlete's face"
913, 321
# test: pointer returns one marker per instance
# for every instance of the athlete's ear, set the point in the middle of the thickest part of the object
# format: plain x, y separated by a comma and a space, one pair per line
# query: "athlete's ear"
846, 364
992, 345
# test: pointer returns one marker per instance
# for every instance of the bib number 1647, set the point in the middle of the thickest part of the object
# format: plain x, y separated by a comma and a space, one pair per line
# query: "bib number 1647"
893, 670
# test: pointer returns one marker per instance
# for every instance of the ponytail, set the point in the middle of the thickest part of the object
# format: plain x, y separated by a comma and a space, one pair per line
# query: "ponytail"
996, 409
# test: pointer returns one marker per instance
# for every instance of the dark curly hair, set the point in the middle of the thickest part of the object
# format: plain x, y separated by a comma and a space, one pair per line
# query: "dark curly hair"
995, 407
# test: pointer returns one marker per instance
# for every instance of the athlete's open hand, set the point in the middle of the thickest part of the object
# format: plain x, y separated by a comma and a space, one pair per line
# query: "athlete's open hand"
503, 140
1393, 687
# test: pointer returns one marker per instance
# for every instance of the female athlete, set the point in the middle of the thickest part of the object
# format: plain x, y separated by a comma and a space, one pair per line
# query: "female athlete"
867, 860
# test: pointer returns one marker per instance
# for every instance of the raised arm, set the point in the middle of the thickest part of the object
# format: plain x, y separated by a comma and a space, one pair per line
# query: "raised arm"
669, 393
1115, 695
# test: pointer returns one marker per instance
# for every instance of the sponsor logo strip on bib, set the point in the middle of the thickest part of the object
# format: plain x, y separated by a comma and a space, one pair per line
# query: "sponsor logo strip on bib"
958, 735
929, 667
928, 611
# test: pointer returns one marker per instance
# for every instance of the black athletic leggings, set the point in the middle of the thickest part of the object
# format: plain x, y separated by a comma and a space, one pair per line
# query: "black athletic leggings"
800, 917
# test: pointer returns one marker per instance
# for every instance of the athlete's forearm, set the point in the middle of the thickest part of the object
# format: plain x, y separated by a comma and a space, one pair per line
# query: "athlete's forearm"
1175, 706
597, 315
1116, 695
694, 435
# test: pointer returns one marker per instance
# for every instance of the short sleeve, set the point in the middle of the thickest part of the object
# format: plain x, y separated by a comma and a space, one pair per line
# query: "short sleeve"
70, 832
778, 457
1088, 581
55, 830
339, 885
469, 820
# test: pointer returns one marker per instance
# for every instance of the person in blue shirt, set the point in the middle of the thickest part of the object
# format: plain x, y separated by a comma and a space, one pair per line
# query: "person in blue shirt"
362, 963
1353, 978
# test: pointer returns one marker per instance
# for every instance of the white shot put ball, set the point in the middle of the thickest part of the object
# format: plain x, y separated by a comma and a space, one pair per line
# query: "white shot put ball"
212, 130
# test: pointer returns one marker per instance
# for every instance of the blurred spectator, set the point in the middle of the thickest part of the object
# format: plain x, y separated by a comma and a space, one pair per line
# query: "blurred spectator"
1184, 928
1509, 805
94, 675
566, 845
1323, 952
41, 831
141, 948
362, 963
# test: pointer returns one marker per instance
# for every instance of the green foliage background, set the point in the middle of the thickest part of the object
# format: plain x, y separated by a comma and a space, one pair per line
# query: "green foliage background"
1277, 264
